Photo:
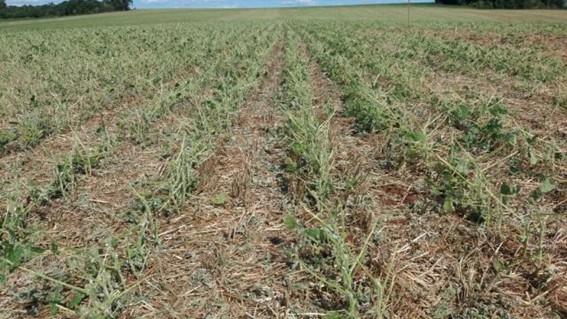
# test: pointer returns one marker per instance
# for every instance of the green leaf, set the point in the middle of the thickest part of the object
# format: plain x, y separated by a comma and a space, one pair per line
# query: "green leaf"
291, 166
546, 186
533, 158
498, 266
448, 206
511, 139
55, 298
416, 137
314, 233
290, 222
220, 199
54, 247
37, 250
15, 254
6, 137
332, 315
297, 148
498, 109
436, 191
462, 112
506, 189
462, 167
76, 300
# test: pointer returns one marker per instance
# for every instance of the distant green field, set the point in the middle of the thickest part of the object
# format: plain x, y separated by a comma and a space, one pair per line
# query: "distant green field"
337, 162
386, 13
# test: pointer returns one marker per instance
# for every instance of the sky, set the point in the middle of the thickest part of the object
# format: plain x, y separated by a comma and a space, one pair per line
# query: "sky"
150, 4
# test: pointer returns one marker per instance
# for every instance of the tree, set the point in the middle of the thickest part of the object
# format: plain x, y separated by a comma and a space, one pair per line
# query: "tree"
119, 5
507, 4
65, 8
126, 4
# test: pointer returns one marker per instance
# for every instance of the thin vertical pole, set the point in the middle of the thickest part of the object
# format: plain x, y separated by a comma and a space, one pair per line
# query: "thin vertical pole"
409, 1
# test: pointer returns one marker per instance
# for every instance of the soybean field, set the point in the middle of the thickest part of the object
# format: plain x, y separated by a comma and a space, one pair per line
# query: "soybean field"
334, 162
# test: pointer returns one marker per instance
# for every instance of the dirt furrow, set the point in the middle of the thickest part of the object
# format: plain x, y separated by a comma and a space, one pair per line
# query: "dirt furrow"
36, 164
423, 256
529, 110
220, 256
368, 194
102, 198
554, 45
96, 211
104, 216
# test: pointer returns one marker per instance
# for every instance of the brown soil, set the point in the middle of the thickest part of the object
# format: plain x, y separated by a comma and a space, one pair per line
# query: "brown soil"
433, 263
550, 44
217, 251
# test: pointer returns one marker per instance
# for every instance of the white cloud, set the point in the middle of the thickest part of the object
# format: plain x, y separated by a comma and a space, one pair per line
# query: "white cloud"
299, 2
225, 4
189, 3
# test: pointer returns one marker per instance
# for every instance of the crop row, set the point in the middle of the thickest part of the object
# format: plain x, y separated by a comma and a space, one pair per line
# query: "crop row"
51, 86
455, 147
321, 192
204, 106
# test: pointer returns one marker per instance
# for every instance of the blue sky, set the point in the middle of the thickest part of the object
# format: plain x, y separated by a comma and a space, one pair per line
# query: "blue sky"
228, 3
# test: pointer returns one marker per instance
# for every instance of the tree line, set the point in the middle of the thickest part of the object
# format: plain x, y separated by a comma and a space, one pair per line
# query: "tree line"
509, 4
65, 8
